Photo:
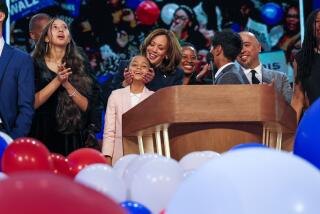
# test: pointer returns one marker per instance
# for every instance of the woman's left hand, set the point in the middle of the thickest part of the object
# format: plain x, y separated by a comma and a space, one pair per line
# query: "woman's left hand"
148, 77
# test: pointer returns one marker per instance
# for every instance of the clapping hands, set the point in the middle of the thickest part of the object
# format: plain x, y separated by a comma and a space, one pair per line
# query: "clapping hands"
63, 73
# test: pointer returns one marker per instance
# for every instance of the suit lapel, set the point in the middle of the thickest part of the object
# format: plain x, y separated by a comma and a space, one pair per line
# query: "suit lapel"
266, 76
244, 76
4, 59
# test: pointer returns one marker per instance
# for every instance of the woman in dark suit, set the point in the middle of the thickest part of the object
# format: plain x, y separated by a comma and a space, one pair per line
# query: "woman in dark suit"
163, 51
307, 63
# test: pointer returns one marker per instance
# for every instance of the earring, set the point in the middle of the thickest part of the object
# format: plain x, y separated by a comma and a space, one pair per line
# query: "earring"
46, 47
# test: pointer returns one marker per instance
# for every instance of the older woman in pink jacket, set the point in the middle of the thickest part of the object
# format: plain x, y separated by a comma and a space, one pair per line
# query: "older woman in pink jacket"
119, 102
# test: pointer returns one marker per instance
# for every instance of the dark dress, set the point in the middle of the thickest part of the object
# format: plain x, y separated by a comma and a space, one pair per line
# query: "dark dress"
311, 83
44, 126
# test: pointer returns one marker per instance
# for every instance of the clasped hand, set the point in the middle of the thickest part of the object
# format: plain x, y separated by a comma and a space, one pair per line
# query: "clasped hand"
63, 73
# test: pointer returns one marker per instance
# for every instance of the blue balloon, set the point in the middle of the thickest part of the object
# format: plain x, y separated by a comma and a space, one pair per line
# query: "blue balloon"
135, 208
102, 79
307, 141
272, 13
248, 145
133, 4
236, 27
3, 146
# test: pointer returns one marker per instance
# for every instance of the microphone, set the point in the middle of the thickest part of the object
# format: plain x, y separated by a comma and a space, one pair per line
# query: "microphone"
209, 59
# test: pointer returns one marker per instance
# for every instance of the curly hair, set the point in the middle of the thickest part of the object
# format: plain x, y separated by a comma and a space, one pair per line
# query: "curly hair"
69, 117
169, 64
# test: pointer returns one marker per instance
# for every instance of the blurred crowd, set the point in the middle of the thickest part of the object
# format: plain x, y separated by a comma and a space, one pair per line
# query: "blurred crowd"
112, 30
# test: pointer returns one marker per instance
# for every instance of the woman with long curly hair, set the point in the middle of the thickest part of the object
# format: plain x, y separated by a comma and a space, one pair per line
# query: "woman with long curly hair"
63, 90
307, 63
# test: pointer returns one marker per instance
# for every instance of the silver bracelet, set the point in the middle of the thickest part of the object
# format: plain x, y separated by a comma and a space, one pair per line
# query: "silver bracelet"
73, 93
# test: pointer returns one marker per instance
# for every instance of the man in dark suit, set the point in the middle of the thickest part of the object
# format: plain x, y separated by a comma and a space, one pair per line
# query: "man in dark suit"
16, 86
252, 70
226, 46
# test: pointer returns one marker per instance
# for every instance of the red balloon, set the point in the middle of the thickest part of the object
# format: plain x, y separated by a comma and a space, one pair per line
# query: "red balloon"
60, 165
148, 12
41, 192
84, 157
25, 154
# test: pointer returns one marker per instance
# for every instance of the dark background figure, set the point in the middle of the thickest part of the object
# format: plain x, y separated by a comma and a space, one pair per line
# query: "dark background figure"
36, 25
307, 63
290, 41
185, 26
16, 86
236, 17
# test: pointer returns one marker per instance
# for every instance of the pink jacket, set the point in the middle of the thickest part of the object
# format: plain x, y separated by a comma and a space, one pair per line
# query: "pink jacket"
119, 102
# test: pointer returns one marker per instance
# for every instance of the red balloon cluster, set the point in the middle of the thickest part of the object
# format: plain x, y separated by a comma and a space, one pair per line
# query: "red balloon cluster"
83, 157
148, 12
40, 192
25, 154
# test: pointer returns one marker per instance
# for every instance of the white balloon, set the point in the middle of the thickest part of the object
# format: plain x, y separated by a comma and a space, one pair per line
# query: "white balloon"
136, 164
6, 137
250, 181
121, 165
167, 12
186, 174
155, 183
194, 160
104, 179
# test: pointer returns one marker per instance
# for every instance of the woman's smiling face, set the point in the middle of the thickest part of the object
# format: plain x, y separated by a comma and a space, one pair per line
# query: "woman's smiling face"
189, 59
157, 49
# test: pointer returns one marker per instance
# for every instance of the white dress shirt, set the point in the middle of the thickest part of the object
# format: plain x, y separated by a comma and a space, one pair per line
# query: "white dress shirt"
135, 98
221, 68
248, 73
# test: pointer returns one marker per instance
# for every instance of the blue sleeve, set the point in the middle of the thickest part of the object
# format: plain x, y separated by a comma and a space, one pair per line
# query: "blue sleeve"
25, 99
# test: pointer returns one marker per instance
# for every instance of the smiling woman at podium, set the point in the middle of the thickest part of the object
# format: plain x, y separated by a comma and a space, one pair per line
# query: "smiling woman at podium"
163, 51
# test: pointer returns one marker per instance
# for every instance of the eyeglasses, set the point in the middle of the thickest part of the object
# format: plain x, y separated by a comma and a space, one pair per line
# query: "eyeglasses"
182, 18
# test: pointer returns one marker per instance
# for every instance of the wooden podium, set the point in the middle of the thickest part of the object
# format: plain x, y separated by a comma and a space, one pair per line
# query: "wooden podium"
208, 117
